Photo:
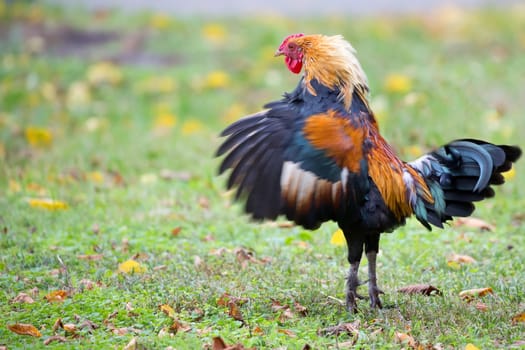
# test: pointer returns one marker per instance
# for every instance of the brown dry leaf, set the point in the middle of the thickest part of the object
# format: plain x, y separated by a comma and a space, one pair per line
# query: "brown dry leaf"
22, 298
178, 326
257, 331
168, 310
90, 257
460, 259
89, 325
244, 256
134, 345
481, 306
234, 311
224, 299
287, 314
218, 344
471, 294
175, 231
406, 339
474, 223
56, 296
287, 332
57, 325
425, 289
300, 309
351, 328
55, 338
70, 327
519, 318
24, 329
87, 284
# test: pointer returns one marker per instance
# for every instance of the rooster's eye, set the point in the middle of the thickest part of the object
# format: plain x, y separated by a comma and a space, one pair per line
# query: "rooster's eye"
291, 46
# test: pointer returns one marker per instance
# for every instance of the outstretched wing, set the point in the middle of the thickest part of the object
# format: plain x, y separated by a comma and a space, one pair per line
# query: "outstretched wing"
309, 167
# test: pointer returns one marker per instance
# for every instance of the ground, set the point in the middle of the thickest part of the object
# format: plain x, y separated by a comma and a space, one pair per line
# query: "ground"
115, 226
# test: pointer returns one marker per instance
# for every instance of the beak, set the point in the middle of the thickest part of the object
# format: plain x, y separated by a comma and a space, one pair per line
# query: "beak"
278, 53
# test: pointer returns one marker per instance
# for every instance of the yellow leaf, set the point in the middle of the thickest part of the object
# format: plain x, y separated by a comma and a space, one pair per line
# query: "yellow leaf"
214, 33
24, 329
56, 296
461, 259
509, 175
470, 294
168, 310
519, 318
38, 137
471, 346
398, 83
413, 151
48, 204
104, 72
338, 238
95, 177
164, 121
217, 79
191, 127
131, 266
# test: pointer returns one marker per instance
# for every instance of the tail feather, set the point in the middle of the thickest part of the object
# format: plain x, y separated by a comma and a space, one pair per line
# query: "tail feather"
460, 173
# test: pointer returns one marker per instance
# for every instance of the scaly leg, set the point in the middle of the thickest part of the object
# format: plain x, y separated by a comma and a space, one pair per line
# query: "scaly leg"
355, 251
373, 290
371, 249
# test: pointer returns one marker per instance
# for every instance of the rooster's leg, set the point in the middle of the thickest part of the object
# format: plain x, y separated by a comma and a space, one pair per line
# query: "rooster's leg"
355, 251
372, 247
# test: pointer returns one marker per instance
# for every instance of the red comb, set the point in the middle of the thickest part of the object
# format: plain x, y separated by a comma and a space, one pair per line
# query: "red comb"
293, 36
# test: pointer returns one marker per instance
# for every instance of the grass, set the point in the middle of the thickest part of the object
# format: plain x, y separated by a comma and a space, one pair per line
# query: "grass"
131, 155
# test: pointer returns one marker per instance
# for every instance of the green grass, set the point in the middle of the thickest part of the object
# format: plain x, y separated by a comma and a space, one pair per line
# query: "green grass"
106, 161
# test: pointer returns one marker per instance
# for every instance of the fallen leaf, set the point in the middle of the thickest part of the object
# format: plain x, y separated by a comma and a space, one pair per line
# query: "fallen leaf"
460, 259
131, 266
235, 312
470, 294
56, 296
57, 325
55, 338
69, 327
89, 325
47, 203
90, 257
425, 289
24, 329
38, 137
473, 223
397, 83
175, 231
22, 298
257, 330
300, 309
519, 318
351, 328
405, 339
134, 345
287, 332
471, 346
338, 238
178, 326
218, 344
168, 310
481, 306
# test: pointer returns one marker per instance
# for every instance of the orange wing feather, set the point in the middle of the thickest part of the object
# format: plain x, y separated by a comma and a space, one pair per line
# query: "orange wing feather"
336, 135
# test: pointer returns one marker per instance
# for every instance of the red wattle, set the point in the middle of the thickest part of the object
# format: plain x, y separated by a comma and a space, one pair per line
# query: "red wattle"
294, 66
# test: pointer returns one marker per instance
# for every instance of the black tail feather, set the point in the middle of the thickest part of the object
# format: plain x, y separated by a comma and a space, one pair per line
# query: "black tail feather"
462, 172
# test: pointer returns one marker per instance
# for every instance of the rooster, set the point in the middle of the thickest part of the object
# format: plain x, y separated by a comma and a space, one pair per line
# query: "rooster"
317, 155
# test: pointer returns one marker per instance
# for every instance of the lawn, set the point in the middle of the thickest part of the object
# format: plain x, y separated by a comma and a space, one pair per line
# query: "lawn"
117, 229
